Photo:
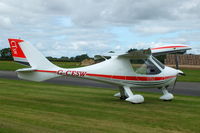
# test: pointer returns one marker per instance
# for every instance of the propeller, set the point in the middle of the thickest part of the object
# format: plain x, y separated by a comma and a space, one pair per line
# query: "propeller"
180, 73
174, 84
176, 61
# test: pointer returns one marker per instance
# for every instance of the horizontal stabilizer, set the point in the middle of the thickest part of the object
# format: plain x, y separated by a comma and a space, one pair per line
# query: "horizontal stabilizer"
33, 75
26, 70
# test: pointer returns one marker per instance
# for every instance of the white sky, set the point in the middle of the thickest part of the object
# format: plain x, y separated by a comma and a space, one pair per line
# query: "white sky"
74, 27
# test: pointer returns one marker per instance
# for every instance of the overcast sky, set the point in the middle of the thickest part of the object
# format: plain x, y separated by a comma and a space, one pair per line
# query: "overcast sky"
74, 27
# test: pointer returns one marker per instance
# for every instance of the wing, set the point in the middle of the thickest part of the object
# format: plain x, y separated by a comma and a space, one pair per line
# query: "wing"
140, 54
176, 48
143, 54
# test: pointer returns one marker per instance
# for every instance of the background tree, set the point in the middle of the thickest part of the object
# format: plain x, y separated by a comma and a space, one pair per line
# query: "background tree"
64, 58
161, 58
6, 54
82, 57
132, 49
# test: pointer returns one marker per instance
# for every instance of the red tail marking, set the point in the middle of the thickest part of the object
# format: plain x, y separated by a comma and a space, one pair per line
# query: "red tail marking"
15, 48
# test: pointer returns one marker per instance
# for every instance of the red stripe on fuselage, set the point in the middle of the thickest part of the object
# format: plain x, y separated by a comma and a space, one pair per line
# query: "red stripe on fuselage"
46, 71
99, 75
168, 47
134, 78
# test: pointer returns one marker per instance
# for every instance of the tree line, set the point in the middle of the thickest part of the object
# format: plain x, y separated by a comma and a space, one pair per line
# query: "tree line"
5, 54
161, 58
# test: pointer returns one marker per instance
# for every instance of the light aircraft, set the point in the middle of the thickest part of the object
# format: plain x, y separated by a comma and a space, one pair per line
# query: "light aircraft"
137, 69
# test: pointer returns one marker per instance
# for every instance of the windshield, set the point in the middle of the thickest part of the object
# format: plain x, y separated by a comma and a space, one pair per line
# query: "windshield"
158, 62
144, 66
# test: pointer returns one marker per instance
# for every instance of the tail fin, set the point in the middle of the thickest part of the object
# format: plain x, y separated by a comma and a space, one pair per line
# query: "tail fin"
17, 53
24, 53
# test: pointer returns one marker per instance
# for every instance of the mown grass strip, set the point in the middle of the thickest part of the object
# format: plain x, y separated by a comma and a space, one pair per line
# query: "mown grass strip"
42, 107
12, 66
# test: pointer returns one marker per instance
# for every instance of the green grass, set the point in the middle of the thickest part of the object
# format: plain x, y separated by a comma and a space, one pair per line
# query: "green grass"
29, 107
12, 66
191, 75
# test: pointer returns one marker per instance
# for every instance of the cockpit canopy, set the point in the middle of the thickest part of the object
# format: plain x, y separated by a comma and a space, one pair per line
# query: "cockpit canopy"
149, 66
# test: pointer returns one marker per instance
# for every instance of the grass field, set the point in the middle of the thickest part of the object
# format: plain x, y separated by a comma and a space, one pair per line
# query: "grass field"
12, 66
192, 75
29, 107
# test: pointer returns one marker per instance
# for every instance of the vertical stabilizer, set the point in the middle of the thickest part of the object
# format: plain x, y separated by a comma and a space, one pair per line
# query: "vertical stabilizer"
25, 53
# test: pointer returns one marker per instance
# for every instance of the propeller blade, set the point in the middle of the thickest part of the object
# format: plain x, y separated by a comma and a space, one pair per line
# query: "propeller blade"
180, 73
174, 84
176, 61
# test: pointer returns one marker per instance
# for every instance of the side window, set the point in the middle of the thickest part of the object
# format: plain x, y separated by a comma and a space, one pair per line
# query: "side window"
144, 66
138, 66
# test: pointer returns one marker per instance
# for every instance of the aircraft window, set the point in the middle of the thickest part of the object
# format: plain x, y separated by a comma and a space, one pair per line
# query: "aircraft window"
159, 63
144, 66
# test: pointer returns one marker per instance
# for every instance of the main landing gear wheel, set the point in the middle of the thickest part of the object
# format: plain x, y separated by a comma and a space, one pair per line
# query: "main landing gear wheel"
126, 94
166, 95
121, 94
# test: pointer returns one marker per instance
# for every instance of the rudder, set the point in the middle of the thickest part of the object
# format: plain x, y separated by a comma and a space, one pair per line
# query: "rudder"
17, 53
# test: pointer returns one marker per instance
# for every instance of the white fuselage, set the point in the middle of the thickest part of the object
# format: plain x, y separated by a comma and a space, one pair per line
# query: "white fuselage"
119, 71
126, 70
